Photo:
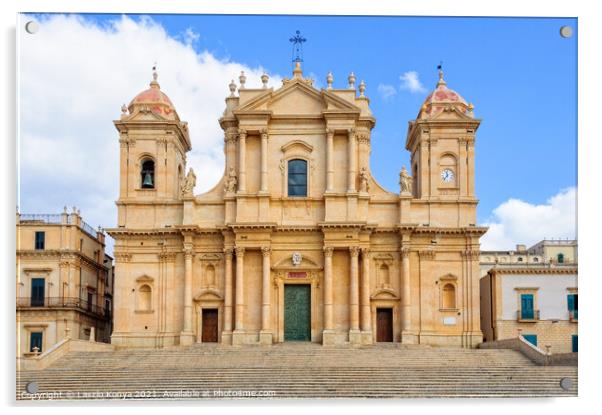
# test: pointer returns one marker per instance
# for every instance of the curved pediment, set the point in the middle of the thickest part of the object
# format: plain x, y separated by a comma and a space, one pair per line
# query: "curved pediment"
297, 144
384, 294
209, 294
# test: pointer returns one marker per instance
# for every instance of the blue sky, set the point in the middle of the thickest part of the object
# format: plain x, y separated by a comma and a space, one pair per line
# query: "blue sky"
518, 72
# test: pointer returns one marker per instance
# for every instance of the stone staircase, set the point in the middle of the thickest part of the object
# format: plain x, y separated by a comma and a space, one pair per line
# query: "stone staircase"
296, 370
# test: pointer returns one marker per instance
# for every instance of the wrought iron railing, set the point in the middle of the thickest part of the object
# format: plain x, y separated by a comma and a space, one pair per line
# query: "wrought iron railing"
44, 218
527, 315
60, 302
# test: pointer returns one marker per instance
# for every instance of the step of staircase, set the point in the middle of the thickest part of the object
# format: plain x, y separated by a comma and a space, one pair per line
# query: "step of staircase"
292, 370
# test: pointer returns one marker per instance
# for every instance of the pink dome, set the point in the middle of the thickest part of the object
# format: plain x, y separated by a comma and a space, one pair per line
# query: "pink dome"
441, 98
155, 100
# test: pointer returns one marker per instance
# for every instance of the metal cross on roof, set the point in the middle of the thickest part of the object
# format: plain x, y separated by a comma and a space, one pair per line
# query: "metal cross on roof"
297, 42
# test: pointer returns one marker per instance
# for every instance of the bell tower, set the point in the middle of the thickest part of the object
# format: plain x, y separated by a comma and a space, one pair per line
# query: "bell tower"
441, 142
153, 146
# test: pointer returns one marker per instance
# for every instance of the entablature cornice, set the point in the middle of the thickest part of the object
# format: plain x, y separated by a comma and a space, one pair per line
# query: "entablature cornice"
344, 225
129, 233
465, 230
251, 226
546, 269
76, 257
41, 270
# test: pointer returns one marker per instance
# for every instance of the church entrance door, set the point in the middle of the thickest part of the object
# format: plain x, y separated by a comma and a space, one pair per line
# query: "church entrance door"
209, 334
297, 312
384, 325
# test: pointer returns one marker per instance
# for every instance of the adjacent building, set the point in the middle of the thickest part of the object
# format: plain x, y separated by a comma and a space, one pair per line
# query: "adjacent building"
64, 281
532, 292
297, 241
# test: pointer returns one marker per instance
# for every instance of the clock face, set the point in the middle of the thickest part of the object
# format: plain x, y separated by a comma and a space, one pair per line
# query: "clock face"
447, 176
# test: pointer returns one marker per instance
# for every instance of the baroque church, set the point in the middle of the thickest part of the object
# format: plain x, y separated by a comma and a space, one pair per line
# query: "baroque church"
297, 241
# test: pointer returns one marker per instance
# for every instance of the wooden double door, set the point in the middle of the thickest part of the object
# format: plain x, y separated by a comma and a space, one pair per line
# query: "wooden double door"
384, 324
209, 325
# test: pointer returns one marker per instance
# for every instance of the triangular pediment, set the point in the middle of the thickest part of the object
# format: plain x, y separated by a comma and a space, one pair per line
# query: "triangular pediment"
145, 115
450, 113
296, 97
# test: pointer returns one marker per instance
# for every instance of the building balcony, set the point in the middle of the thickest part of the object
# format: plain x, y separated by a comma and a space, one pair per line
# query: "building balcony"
527, 316
573, 315
28, 303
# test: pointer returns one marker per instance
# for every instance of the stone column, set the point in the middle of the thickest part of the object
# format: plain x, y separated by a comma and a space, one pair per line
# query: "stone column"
328, 294
186, 335
265, 336
354, 327
365, 294
240, 300
227, 333
405, 294
329, 160
242, 166
264, 161
351, 160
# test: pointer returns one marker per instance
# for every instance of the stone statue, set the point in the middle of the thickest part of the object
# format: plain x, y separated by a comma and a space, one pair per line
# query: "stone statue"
188, 183
231, 181
405, 181
364, 180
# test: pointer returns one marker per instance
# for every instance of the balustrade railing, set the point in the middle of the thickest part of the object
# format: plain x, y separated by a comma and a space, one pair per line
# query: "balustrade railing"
43, 218
60, 302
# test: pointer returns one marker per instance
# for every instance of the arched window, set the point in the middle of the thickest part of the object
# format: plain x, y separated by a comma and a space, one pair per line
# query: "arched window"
144, 298
147, 174
449, 296
297, 177
560, 258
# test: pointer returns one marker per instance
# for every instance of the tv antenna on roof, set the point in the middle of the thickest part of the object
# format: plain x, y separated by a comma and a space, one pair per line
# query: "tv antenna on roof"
297, 42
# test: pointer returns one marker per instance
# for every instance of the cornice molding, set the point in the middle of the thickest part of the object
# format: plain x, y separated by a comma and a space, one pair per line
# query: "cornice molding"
533, 270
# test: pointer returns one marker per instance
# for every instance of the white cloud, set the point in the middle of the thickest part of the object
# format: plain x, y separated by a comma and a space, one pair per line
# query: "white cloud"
409, 80
74, 76
386, 91
518, 222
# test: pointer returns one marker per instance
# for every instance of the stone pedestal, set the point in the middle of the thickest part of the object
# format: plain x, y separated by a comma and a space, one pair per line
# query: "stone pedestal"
238, 338
409, 337
186, 339
226, 338
265, 337
355, 337
330, 338
367, 337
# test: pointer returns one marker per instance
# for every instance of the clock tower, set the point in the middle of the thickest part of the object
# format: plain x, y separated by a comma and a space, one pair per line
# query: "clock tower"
441, 142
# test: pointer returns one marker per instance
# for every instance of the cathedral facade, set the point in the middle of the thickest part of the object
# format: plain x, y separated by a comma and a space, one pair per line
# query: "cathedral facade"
297, 242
